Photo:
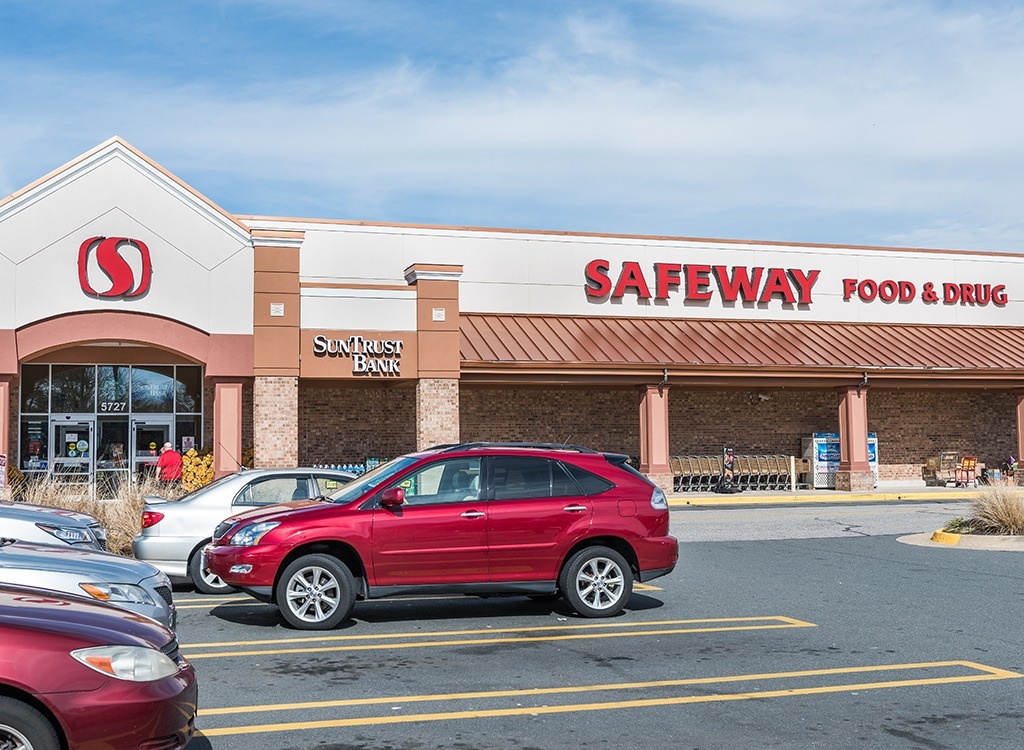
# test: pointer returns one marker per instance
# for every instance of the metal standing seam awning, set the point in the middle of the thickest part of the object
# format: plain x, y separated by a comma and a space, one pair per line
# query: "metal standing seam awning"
556, 348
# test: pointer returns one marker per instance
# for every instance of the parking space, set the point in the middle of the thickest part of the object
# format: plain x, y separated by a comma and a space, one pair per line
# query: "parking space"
710, 658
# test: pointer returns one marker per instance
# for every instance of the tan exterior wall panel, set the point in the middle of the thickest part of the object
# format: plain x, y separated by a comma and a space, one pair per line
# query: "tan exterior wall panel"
425, 314
276, 348
439, 354
277, 259
261, 309
276, 281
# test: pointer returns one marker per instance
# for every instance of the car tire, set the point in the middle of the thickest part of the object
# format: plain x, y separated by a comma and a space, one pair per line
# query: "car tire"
597, 582
22, 726
204, 581
316, 592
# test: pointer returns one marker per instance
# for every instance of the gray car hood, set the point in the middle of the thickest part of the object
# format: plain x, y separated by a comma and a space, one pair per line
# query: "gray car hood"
53, 559
43, 514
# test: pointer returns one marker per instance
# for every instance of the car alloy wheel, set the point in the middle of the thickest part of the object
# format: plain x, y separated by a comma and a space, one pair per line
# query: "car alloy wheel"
205, 581
316, 592
597, 582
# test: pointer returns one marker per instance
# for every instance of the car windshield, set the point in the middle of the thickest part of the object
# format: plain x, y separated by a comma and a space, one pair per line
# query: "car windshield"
371, 479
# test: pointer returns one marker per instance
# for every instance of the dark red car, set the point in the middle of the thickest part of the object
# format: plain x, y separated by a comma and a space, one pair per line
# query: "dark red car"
82, 675
478, 518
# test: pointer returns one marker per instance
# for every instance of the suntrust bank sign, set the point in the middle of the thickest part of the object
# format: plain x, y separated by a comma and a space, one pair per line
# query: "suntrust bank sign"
368, 356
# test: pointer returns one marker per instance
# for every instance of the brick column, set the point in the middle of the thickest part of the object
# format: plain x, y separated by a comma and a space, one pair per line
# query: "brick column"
854, 474
227, 426
1018, 478
276, 422
654, 436
437, 412
276, 324
437, 342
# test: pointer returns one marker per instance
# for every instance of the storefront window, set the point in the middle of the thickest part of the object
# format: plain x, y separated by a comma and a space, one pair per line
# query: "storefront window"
34, 444
73, 389
186, 430
188, 389
112, 383
113, 443
35, 389
152, 389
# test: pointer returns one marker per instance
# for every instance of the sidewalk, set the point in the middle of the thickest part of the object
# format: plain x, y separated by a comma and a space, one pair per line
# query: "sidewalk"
804, 497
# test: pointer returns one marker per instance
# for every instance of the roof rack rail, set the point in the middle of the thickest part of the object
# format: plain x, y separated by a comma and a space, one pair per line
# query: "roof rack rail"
541, 446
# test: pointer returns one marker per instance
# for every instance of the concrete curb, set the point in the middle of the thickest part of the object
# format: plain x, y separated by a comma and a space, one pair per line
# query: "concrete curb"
805, 497
946, 539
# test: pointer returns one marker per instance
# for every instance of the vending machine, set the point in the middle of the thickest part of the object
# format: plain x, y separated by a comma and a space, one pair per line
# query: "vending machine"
822, 450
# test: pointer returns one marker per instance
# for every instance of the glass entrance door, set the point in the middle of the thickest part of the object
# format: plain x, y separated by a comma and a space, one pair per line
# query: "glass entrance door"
148, 437
71, 448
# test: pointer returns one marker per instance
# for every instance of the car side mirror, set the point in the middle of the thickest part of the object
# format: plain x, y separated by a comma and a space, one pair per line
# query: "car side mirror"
392, 497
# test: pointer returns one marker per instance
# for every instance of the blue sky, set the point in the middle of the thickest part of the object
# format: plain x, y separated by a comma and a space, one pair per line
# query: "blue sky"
846, 122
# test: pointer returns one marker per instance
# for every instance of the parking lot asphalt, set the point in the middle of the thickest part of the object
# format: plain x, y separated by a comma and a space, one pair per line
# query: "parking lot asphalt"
838, 639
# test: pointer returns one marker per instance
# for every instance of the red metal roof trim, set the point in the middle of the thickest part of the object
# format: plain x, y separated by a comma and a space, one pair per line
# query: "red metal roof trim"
554, 339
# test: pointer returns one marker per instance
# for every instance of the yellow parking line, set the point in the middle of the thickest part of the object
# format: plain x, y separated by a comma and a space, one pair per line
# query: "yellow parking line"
986, 673
714, 625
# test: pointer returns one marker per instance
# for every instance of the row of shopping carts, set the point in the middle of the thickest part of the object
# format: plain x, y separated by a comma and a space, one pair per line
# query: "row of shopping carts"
705, 473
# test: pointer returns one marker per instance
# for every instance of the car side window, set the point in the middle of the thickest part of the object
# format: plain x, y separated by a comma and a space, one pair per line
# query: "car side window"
327, 485
454, 480
591, 484
274, 490
518, 478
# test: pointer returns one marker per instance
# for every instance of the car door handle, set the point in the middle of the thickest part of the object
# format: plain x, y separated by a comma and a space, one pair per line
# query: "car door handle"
473, 514
575, 508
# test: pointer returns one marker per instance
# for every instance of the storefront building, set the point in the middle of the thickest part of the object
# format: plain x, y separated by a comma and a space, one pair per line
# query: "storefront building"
134, 311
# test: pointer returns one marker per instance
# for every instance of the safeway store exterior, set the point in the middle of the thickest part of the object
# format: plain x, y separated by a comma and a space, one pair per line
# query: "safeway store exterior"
133, 310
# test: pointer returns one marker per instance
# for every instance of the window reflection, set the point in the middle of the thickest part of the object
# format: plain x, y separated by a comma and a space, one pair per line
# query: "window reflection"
35, 389
188, 389
73, 389
153, 389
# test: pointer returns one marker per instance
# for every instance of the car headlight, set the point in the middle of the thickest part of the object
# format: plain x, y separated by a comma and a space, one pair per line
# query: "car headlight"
247, 536
118, 592
67, 534
133, 663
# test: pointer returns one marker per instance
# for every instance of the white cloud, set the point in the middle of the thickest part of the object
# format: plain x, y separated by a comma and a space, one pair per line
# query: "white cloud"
859, 122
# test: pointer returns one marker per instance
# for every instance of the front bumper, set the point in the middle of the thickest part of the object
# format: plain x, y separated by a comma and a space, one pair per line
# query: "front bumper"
264, 559
125, 715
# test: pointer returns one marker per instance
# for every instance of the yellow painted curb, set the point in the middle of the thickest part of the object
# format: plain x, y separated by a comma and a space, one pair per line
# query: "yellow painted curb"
945, 537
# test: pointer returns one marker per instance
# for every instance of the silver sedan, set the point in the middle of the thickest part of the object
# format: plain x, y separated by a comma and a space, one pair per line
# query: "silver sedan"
121, 581
174, 532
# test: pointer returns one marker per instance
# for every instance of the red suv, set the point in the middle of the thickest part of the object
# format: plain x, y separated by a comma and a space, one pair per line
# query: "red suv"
477, 518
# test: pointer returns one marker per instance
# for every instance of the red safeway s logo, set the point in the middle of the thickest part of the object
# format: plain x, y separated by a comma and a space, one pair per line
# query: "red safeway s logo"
113, 264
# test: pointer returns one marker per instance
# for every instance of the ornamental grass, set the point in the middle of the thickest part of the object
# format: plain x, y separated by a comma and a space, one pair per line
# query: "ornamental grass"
998, 509
119, 509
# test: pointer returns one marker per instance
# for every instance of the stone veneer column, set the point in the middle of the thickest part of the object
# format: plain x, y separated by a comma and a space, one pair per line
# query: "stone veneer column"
437, 344
276, 326
854, 474
654, 436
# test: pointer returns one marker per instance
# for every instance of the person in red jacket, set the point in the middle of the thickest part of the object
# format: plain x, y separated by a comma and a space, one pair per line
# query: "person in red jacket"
168, 466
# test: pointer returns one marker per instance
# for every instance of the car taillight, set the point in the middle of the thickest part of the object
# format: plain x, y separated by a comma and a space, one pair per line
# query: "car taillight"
658, 499
151, 518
